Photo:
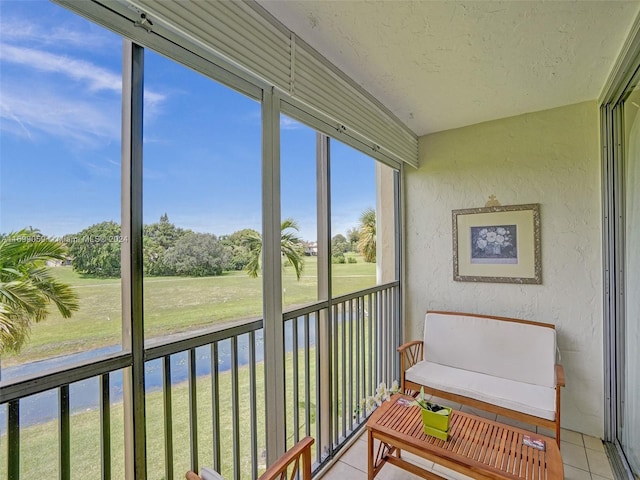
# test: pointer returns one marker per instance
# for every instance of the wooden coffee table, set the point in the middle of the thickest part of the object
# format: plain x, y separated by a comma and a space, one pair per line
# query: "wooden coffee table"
476, 447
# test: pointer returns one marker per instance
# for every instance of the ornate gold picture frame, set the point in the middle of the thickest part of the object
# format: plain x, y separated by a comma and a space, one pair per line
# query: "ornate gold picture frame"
498, 244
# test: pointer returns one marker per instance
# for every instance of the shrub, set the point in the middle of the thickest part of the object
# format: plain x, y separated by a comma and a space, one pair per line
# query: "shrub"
338, 259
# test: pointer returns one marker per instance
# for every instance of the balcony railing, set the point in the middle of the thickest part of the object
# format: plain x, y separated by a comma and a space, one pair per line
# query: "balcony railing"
205, 395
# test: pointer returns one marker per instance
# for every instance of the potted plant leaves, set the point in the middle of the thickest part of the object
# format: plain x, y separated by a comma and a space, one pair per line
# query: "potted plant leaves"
435, 418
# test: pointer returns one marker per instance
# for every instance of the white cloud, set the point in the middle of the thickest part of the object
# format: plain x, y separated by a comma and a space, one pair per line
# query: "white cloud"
81, 35
153, 103
287, 123
97, 77
27, 112
34, 104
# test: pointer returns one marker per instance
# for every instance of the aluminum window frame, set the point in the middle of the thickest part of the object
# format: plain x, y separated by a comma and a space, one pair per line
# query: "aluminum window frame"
625, 72
134, 355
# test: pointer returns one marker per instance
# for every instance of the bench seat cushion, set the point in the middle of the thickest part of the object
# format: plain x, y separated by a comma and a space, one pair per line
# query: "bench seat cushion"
523, 352
523, 397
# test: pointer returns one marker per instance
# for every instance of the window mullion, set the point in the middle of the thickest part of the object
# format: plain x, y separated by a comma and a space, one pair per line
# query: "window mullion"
131, 265
272, 279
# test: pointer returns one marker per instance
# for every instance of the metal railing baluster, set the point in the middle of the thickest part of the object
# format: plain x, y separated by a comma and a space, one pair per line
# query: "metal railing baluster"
351, 370
296, 381
384, 340
336, 393
168, 417
65, 433
285, 373
358, 367
193, 409
215, 405
396, 336
13, 433
370, 345
344, 372
105, 428
392, 338
235, 408
253, 401
307, 375
319, 418
376, 340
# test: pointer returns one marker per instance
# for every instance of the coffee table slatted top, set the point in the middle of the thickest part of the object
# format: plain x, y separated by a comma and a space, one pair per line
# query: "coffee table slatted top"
494, 449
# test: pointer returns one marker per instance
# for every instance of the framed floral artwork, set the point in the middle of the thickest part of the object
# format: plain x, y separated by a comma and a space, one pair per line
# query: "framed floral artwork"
497, 244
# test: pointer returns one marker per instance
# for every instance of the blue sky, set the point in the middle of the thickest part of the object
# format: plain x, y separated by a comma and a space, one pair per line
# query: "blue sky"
60, 98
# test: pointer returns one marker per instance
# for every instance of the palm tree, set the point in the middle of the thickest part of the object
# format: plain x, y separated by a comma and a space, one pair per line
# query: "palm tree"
290, 247
27, 287
367, 241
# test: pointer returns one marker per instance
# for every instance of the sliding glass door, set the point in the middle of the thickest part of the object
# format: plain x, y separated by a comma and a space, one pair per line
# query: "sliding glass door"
621, 170
629, 389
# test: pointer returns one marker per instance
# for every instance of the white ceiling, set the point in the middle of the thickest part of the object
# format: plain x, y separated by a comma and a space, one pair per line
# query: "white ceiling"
439, 65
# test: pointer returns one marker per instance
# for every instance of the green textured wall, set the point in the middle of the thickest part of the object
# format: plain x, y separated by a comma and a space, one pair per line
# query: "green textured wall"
551, 158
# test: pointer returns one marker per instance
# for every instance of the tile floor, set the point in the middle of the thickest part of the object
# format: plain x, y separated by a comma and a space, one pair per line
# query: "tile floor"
583, 456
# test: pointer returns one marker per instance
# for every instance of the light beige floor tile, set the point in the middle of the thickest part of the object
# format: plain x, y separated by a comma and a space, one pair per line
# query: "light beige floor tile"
363, 438
342, 471
573, 473
597, 477
478, 413
571, 437
356, 456
516, 423
391, 472
593, 443
574, 455
419, 461
599, 464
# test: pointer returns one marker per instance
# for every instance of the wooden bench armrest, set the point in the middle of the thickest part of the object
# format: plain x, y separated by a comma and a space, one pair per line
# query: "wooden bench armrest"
410, 354
403, 347
560, 376
300, 451
192, 476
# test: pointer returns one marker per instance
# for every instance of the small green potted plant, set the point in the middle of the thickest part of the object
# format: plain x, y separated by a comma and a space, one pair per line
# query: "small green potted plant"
435, 418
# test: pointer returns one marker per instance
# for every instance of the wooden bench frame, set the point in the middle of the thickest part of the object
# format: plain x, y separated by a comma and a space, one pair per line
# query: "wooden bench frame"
299, 456
413, 352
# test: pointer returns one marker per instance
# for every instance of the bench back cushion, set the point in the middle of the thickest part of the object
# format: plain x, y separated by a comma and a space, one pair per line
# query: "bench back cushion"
518, 351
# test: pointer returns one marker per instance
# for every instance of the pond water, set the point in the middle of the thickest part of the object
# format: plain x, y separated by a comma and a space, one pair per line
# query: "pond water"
85, 395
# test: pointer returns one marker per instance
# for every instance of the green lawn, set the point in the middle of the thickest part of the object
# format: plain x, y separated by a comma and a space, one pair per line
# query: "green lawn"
173, 304
39, 452
38, 443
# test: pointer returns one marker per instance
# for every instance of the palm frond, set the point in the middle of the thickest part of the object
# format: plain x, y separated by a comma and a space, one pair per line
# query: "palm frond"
290, 247
367, 242
27, 288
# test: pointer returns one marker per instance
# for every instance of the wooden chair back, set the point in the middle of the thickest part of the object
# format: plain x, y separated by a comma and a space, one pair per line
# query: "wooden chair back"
297, 459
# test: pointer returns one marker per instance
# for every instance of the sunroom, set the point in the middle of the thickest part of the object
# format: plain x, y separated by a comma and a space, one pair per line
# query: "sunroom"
257, 200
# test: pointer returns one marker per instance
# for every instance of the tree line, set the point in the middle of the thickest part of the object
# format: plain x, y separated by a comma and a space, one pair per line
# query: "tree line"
27, 288
169, 250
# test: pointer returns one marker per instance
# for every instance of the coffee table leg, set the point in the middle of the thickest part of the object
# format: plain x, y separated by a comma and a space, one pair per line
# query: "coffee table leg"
370, 467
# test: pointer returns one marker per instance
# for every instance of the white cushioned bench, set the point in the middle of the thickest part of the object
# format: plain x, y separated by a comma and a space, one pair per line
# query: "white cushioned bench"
503, 365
